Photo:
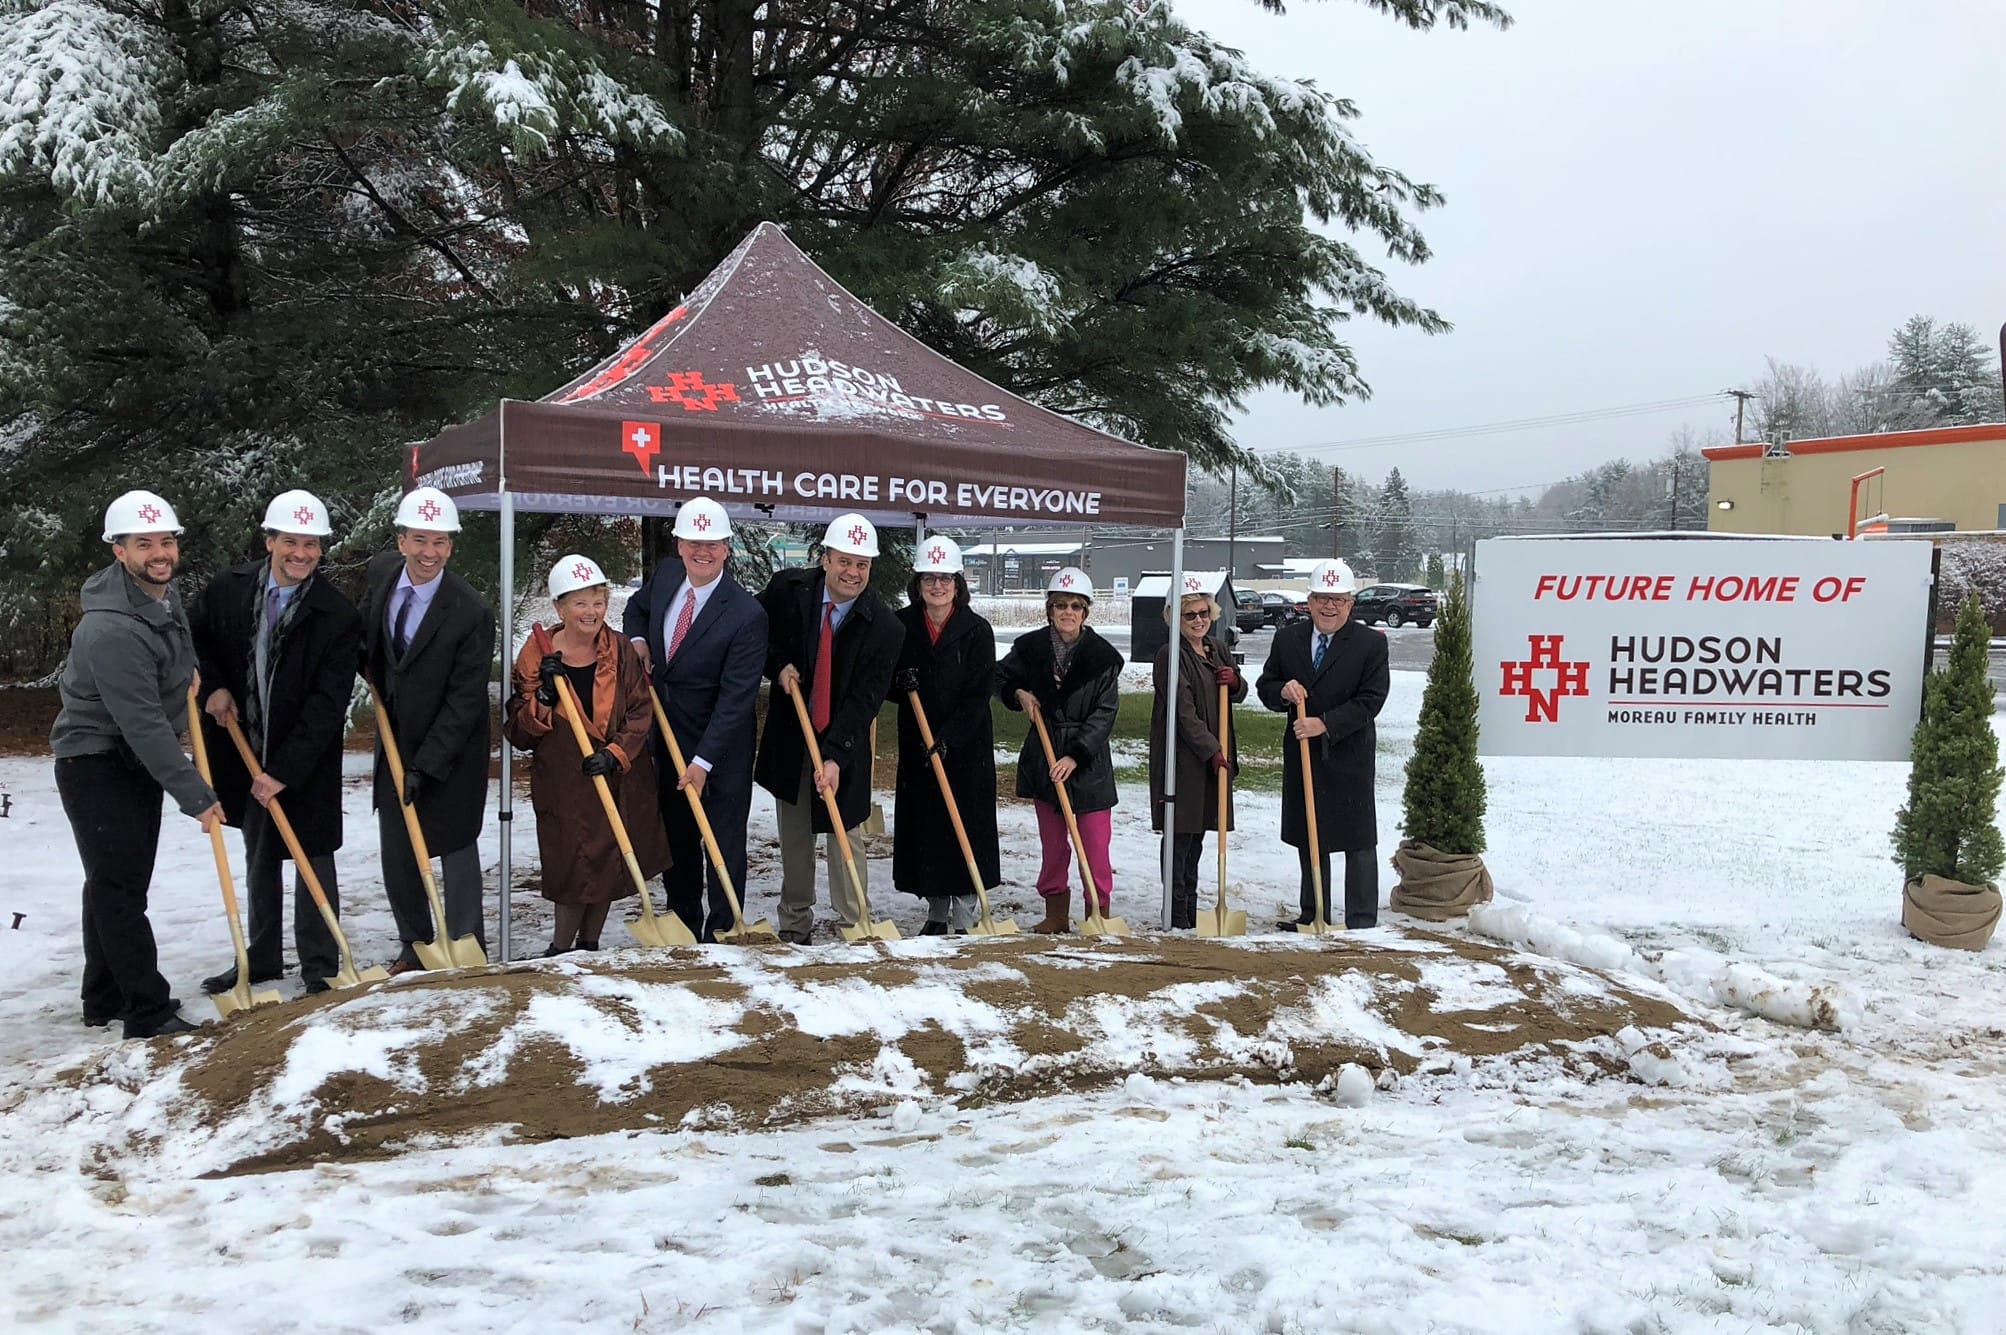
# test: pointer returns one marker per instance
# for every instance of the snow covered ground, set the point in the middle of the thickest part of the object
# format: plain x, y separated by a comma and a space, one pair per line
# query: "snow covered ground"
1776, 1178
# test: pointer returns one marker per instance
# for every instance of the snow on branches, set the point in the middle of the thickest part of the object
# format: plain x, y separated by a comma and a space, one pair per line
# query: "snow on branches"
81, 93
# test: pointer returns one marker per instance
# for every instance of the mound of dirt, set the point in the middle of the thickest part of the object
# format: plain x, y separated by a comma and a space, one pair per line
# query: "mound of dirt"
711, 1038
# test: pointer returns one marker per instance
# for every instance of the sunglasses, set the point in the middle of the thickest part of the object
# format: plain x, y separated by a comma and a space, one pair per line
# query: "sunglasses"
1069, 607
1201, 614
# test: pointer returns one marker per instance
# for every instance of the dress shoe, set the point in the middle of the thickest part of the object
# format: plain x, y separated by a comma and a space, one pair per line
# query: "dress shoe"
934, 929
173, 1024
583, 944
98, 1021
316, 986
398, 966
1303, 925
795, 938
227, 981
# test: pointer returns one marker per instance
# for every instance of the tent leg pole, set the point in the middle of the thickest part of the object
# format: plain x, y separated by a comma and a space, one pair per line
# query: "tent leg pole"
1173, 600
507, 812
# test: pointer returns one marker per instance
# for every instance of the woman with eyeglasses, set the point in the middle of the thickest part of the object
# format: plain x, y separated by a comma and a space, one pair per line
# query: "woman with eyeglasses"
1202, 764
949, 661
1072, 678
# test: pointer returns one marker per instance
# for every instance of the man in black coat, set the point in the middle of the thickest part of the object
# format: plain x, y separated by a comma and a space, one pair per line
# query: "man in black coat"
428, 643
704, 639
829, 636
276, 646
1339, 667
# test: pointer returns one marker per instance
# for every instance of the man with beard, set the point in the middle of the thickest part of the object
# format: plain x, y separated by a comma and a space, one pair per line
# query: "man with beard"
276, 645
428, 643
704, 639
124, 701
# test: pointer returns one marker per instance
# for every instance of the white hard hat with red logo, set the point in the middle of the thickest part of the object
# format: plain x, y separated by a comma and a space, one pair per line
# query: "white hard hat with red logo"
851, 533
1071, 580
430, 509
1332, 577
937, 556
297, 512
138, 512
702, 520
572, 573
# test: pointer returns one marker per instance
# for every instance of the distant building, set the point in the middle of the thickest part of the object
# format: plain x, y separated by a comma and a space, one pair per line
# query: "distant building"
1940, 479
1025, 559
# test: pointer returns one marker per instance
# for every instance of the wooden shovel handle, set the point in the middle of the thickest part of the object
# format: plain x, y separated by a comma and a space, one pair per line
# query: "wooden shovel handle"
567, 700
278, 815
1225, 785
696, 809
1309, 815
416, 831
1072, 825
947, 795
829, 798
216, 844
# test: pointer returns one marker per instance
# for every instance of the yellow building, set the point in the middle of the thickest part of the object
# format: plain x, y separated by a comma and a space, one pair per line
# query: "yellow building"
1953, 475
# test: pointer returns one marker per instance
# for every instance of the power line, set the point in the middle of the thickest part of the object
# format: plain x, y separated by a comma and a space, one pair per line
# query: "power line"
1505, 427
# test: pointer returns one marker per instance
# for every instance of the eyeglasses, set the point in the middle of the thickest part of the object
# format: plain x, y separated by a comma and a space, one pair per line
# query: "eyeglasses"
936, 579
1069, 607
1202, 614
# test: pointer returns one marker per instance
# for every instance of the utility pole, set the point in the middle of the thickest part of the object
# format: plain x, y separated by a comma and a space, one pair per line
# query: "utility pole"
1233, 526
1336, 507
1672, 490
1741, 398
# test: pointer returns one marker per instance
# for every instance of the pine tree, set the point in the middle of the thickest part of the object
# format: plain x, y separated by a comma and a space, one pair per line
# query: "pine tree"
1948, 826
1945, 372
1394, 551
1445, 795
1436, 572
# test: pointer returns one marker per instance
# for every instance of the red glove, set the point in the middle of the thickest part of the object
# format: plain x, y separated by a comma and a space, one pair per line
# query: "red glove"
1227, 676
1218, 761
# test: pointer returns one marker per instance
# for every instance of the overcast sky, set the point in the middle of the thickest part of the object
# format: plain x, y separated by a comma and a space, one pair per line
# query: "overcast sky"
1645, 200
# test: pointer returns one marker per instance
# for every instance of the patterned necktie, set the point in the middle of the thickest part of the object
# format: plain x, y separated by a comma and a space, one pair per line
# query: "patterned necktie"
818, 695
683, 620
1322, 643
398, 640
271, 610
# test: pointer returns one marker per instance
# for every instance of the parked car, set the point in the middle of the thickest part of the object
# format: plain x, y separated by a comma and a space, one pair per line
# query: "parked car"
1395, 604
1249, 614
1279, 609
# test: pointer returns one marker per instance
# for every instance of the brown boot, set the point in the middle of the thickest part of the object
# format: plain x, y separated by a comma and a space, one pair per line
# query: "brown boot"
1057, 917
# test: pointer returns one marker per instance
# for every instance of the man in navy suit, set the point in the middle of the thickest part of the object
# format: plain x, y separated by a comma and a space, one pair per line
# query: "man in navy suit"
704, 640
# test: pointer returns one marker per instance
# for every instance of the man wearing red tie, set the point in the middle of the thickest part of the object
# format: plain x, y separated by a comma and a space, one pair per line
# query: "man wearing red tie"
704, 639
829, 637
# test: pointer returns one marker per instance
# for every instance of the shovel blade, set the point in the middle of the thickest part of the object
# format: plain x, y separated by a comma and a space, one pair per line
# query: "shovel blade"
1212, 922
1105, 926
994, 927
347, 977
661, 930
871, 931
242, 998
759, 933
875, 822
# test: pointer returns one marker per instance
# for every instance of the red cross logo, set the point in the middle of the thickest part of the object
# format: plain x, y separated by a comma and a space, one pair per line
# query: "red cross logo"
428, 508
701, 522
1065, 581
149, 513
937, 555
691, 390
643, 440
582, 571
1330, 579
304, 514
1569, 678
1192, 585
857, 535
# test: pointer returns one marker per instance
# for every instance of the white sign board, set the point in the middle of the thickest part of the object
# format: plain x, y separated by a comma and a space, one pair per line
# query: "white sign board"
1121, 586
1710, 647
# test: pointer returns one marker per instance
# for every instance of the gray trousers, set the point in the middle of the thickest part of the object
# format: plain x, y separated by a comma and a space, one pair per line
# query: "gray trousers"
265, 858
796, 820
459, 886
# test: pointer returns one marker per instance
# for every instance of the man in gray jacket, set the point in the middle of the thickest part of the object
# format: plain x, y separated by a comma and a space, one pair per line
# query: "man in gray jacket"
117, 744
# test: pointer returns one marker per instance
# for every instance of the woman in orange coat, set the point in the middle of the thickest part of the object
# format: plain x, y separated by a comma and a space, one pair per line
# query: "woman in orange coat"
583, 870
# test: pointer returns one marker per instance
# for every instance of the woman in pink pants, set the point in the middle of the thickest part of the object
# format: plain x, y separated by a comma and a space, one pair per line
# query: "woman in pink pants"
1071, 677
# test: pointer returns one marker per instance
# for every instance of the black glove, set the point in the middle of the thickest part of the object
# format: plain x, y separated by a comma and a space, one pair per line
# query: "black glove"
414, 783
907, 679
939, 748
601, 763
546, 687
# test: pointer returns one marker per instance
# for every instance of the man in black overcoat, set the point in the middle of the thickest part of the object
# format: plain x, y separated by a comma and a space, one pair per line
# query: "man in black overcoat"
704, 639
1339, 667
832, 638
428, 643
275, 644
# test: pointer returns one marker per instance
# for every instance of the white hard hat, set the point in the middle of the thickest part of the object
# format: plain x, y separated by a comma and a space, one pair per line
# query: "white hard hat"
937, 556
297, 512
1072, 580
1332, 577
139, 512
574, 572
1194, 586
851, 533
430, 509
702, 520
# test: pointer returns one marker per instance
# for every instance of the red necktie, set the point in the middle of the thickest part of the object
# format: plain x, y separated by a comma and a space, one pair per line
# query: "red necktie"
683, 619
818, 694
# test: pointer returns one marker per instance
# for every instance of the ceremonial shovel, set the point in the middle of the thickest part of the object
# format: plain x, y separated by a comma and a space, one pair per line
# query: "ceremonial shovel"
865, 930
240, 997
1320, 926
1221, 921
1095, 924
347, 975
442, 951
988, 926
650, 929
739, 933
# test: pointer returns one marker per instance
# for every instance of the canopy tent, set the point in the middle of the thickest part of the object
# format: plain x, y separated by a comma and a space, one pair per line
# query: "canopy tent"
776, 392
